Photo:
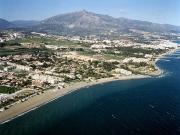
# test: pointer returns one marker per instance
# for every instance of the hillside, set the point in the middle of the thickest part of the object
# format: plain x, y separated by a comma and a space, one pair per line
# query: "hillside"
88, 23
84, 22
5, 24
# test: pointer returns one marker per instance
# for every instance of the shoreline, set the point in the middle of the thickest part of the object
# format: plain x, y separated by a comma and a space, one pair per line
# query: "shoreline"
48, 96
160, 71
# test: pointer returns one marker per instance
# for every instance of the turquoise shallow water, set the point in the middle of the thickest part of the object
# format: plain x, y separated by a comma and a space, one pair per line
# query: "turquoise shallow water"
133, 107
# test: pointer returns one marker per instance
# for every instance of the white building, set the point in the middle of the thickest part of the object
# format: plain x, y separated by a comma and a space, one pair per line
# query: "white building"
135, 60
4, 97
47, 78
123, 71
101, 46
20, 67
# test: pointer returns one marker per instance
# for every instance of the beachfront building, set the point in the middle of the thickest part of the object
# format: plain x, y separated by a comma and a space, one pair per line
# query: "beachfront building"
4, 97
40, 78
61, 85
123, 71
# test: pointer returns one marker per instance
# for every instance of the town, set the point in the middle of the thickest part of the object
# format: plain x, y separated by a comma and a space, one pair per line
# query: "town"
33, 63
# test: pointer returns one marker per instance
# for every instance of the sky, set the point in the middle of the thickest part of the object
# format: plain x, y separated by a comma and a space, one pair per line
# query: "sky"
158, 11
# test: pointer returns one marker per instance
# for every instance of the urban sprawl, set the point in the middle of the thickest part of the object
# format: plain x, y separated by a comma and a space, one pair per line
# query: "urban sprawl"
33, 63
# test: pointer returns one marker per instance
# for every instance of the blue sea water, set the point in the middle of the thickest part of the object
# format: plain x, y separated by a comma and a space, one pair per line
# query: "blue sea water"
133, 107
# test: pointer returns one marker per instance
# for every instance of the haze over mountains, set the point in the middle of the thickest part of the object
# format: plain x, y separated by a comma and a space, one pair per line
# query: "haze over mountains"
4, 24
86, 23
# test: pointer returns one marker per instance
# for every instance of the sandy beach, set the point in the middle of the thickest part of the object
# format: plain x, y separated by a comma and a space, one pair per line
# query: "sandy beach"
50, 95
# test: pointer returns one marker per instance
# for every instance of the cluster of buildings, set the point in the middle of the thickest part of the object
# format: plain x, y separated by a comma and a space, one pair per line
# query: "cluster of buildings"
136, 60
43, 79
67, 63
6, 36
12, 66
123, 71
161, 44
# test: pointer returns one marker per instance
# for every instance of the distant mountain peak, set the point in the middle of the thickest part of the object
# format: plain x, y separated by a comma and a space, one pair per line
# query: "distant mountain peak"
84, 22
88, 23
84, 11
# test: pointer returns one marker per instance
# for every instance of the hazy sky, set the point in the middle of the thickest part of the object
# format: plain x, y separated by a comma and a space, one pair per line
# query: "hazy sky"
160, 11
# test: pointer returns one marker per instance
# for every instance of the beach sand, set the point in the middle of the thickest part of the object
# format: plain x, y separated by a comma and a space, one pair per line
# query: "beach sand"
50, 95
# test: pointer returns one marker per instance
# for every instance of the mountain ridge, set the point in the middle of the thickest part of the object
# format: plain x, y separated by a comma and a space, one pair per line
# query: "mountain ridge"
5, 24
89, 23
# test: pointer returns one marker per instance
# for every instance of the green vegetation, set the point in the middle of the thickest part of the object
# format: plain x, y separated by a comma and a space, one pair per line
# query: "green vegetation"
128, 51
21, 73
87, 53
113, 56
9, 43
131, 52
1, 67
10, 101
108, 66
6, 52
7, 90
140, 64
46, 41
67, 79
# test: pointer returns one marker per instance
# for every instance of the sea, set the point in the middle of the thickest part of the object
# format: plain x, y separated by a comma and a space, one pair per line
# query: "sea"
148, 106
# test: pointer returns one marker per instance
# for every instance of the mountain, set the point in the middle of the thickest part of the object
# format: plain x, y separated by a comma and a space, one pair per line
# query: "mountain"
4, 24
85, 23
82, 22
147, 26
25, 23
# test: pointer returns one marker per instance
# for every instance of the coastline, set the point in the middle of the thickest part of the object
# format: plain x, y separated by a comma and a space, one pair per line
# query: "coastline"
160, 71
51, 95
